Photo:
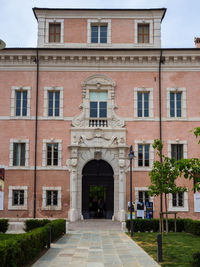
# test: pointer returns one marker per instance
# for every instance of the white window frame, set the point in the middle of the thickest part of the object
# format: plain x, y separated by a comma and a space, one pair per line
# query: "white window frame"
151, 154
99, 22
143, 21
183, 103
137, 189
13, 101
19, 141
46, 102
10, 198
44, 152
44, 199
48, 21
143, 90
177, 142
185, 203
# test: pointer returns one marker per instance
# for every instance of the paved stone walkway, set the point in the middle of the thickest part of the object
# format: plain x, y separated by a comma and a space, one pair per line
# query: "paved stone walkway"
95, 248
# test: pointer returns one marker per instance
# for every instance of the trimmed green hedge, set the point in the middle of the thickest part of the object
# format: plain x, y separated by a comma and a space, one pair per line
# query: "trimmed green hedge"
22, 250
3, 225
182, 225
34, 223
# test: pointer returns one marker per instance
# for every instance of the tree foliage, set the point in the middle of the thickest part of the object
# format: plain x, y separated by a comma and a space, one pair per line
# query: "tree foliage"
164, 174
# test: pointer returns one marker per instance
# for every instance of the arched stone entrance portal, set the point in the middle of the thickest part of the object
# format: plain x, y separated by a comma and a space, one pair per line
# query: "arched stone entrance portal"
97, 190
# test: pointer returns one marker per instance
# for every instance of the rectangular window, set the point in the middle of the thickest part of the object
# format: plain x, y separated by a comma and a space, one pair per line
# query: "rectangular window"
178, 199
143, 196
98, 104
18, 198
18, 154
143, 155
51, 198
52, 154
54, 32
177, 151
54, 103
175, 104
99, 34
143, 104
143, 33
21, 103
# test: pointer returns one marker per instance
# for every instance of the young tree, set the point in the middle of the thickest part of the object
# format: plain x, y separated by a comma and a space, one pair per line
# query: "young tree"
163, 177
190, 168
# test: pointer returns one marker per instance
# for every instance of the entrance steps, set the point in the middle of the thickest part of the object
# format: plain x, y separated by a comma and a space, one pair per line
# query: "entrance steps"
96, 224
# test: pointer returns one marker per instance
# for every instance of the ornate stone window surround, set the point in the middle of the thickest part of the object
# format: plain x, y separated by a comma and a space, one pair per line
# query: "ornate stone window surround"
137, 189
99, 22
26, 141
10, 198
13, 101
44, 152
183, 102
48, 21
143, 90
53, 188
144, 21
98, 83
176, 142
46, 90
151, 155
185, 205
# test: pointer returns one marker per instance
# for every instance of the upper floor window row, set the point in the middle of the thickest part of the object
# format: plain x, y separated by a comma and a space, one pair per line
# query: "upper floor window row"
99, 31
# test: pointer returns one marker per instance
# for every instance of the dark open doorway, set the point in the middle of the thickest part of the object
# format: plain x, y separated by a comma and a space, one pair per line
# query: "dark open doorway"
97, 190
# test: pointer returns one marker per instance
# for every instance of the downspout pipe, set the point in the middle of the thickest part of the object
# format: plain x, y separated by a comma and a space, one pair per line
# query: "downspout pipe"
36, 134
161, 61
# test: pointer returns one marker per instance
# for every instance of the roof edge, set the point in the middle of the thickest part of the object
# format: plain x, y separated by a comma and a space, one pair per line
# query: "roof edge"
100, 9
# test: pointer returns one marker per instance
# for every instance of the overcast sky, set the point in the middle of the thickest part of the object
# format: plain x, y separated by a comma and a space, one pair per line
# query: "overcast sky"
18, 26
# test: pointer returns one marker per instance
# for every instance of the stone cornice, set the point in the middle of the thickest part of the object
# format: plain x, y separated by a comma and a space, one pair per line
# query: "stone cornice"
105, 59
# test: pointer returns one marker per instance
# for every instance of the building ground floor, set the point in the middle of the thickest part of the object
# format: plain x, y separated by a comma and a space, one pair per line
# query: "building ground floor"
99, 188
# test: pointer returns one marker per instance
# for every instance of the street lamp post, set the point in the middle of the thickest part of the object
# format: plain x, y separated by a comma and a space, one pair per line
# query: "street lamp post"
131, 156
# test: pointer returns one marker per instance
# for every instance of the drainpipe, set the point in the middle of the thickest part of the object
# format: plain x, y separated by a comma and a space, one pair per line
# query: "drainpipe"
161, 61
36, 133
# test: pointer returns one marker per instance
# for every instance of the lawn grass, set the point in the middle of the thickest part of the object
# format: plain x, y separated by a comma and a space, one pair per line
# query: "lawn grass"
177, 247
4, 237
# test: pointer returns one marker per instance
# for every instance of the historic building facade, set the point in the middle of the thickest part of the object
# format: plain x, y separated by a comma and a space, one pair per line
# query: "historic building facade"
97, 83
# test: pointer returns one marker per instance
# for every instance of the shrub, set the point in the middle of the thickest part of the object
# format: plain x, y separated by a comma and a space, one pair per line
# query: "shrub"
26, 247
186, 225
3, 225
195, 259
33, 223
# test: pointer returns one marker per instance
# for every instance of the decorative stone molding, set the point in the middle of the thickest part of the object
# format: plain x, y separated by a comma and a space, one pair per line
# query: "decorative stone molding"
44, 199
19, 141
97, 83
185, 203
76, 60
177, 142
44, 152
48, 21
144, 21
46, 90
151, 108
151, 154
99, 21
183, 102
10, 198
13, 101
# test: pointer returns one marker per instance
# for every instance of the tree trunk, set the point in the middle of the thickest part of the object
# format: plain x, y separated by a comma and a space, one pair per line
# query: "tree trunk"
167, 228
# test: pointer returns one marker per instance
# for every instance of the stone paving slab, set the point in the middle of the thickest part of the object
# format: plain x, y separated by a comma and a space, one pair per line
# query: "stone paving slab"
100, 248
